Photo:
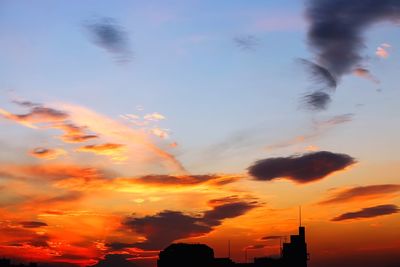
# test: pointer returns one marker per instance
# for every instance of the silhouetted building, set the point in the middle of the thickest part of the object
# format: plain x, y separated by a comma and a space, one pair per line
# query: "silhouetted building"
7, 263
184, 255
293, 254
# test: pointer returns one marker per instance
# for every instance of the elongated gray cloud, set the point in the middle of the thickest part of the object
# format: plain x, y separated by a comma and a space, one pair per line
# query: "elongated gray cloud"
369, 212
32, 224
271, 237
362, 192
107, 34
300, 168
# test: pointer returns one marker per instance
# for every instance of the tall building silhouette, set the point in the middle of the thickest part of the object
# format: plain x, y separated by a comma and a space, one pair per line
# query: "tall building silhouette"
293, 254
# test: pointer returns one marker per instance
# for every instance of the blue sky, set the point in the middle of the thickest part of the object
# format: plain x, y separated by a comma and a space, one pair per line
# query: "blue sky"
223, 108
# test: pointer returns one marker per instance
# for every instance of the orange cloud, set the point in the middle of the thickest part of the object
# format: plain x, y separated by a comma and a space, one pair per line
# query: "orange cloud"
75, 121
162, 133
108, 149
364, 73
381, 51
47, 153
73, 133
134, 140
155, 116
362, 193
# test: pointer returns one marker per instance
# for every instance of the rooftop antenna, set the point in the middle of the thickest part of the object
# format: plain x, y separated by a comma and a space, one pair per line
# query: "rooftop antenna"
300, 215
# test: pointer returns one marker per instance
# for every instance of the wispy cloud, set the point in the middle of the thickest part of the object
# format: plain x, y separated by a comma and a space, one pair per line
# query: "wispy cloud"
362, 193
318, 129
80, 124
366, 74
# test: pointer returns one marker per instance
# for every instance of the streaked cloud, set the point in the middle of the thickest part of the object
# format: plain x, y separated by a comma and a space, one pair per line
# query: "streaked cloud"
271, 237
318, 129
360, 193
256, 246
369, 212
32, 224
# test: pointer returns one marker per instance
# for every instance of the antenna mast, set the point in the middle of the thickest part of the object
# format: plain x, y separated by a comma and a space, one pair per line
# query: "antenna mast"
300, 215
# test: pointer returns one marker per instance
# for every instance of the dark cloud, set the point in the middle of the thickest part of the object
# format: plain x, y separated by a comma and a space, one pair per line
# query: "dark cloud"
26, 103
32, 224
362, 192
107, 34
271, 237
223, 200
26, 234
317, 100
167, 226
185, 180
337, 28
257, 246
369, 212
246, 42
37, 114
300, 168
336, 37
319, 75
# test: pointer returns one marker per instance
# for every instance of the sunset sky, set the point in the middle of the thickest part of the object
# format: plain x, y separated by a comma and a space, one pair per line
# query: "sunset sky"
130, 125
